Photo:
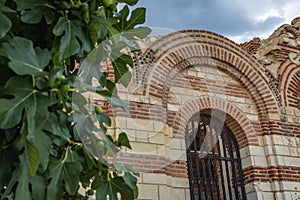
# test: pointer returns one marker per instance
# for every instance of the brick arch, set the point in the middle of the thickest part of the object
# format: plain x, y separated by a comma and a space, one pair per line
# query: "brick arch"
238, 123
173, 53
292, 91
288, 71
214, 64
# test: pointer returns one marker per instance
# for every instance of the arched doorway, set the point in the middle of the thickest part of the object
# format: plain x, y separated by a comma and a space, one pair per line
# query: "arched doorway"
214, 164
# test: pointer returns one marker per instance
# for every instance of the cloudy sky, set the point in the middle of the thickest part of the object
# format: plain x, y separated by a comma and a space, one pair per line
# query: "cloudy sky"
239, 20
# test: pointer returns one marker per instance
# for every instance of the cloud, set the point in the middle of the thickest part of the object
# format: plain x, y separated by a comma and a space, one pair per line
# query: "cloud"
238, 19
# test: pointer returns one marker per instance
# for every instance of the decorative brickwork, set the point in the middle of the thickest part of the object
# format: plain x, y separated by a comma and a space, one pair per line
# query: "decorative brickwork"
236, 120
254, 88
252, 46
293, 90
141, 65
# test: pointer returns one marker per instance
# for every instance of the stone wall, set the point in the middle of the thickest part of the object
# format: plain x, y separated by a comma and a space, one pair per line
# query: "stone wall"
183, 73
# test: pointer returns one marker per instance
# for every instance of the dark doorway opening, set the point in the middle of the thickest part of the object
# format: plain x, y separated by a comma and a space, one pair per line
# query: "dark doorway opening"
213, 158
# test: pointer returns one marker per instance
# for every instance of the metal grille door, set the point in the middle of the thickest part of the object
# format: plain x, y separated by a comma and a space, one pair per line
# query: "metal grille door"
214, 165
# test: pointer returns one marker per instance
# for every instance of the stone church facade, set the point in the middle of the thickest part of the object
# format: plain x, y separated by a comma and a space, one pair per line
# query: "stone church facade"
212, 119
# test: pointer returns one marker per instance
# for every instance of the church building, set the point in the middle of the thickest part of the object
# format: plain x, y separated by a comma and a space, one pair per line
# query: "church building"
213, 119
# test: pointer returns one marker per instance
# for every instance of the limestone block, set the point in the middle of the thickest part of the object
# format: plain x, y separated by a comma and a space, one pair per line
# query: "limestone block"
247, 161
177, 154
268, 195
214, 77
139, 124
158, 126
173, 107
262, 186
252, 196
298, 142
282, 150
290, 186
297, 112
171, 132
255, 150
296, 120
291, 119
178, 194
183, 144
273, 161
260, 141
192, 73
295, 195
268, 140
154, 178
289, 141
120, 122
156, 138
269, 150
177, 90
293, 162
147, 192
287, 196
130, 134
260, 161
201, 74
231, 80
249, 187
142, 136
280, 160
155, 100
183, 157
138, 98
244, 152
143, 148
275, 117
164, 192
184, 72
187, 194
175, 143
279, 195
275, 186
278, 140
246, 108
252, 117
294, 151
180, 182
162, 150
236, 99
288, 110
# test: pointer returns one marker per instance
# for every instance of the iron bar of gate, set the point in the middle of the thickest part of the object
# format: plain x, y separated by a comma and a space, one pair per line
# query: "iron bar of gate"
226, 165
241, 179
198, 170
239, 166
214, 158
221, 171
221, 161
203, 170
236, 189
196, 161
208, 160
204, 178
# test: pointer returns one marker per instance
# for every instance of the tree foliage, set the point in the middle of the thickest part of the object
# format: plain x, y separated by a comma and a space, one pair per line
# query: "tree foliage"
43, 155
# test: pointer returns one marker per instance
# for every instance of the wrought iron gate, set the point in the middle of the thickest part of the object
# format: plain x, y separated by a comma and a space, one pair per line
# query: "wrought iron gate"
214, 165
